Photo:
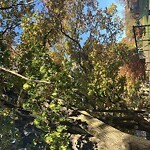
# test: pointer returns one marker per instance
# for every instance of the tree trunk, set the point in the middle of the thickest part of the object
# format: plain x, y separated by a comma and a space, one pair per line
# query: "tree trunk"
101, 136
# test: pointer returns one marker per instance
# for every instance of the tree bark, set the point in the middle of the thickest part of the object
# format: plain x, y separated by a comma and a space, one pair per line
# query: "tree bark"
103, 136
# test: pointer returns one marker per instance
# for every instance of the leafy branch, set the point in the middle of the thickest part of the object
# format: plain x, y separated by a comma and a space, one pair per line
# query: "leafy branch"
14, 5
23, 77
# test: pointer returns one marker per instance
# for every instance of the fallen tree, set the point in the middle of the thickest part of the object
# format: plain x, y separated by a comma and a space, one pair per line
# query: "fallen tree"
86, 132
98, 135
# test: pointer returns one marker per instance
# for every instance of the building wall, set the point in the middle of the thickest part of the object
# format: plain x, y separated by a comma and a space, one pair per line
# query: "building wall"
137, 15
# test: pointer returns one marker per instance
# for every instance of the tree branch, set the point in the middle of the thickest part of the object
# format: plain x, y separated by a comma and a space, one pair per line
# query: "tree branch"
75, 41
9, 28
68, 36
45, 37
108, 136
18, 109
23, 77
13, 5
118, 111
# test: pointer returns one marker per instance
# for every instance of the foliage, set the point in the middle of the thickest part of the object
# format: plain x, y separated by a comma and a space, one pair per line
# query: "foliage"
54, 67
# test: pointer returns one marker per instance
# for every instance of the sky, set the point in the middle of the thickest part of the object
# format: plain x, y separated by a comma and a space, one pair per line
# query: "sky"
120, 8
107, 3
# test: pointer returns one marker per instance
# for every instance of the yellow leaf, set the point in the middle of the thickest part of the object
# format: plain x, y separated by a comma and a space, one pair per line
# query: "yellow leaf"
26, 86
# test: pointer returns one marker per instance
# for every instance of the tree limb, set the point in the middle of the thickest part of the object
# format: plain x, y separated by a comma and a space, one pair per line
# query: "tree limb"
13, 5
9, 28
23, 77
18, 109
107, 136
118, 111
68, 36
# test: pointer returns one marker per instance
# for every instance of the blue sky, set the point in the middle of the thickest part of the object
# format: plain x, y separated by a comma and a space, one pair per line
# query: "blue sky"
107, 3
104, 3
120, 8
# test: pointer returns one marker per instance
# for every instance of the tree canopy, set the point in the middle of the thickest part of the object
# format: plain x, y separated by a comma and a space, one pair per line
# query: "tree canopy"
56, 59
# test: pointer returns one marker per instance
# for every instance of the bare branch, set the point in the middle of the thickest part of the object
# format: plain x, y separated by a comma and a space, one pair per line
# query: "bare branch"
23, 77
68, 36
9, 27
